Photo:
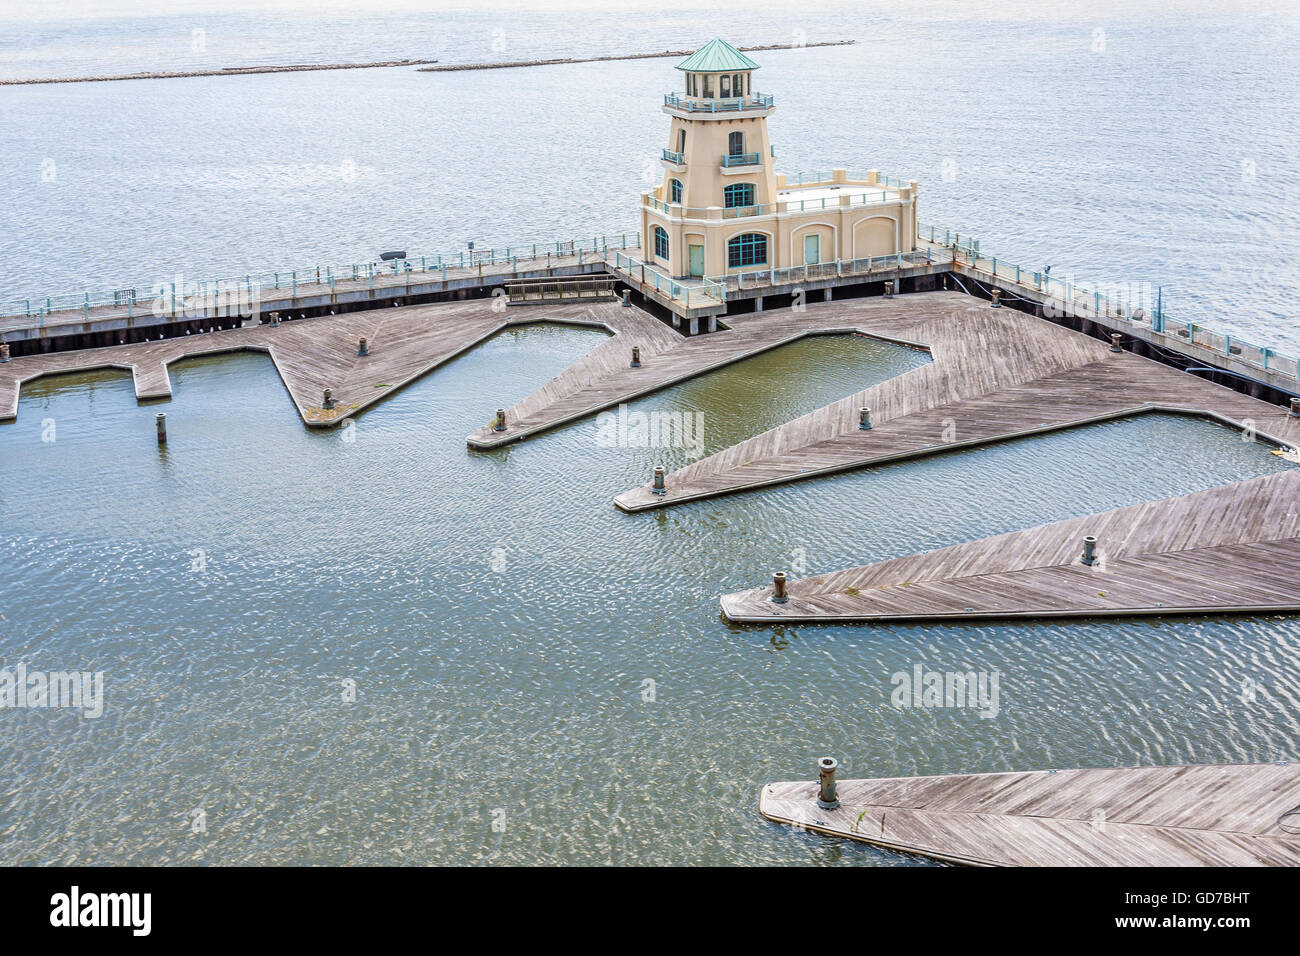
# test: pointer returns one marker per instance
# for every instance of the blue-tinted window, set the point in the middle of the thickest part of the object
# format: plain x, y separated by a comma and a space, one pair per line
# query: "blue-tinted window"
675, 186
661, 242
749, 249
738, 194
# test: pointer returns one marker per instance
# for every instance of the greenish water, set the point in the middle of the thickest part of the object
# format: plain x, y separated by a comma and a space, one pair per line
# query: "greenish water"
501, 620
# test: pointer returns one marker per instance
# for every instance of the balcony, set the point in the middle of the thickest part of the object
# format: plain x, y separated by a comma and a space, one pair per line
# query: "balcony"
678, 159
693, 104
741, 159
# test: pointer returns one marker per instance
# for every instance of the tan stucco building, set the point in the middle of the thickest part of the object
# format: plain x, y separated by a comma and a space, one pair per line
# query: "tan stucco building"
722, 208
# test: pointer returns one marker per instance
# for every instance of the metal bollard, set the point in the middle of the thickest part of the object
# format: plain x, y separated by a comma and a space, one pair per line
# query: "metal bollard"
778, 588
636, 357
328, 401
1114, 342
864, 418
1090, 549
4, 351
826, 798
362, 349
996, 295
160, 422
499, 423
1295, 408
889, 288
659, 487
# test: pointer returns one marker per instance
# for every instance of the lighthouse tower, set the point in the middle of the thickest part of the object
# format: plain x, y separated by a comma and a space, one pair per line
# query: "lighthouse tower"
721, 208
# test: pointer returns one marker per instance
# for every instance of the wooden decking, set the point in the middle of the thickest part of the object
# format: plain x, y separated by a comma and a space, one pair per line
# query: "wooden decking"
314, 354
605, 377
1127, 816
1235, 548
996, 374
308, 288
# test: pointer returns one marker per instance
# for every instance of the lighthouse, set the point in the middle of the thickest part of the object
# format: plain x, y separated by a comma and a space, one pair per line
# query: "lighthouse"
722, 208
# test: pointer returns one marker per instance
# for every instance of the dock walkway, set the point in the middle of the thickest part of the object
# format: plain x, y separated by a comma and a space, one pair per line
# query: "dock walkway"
1231, 549
314, 354
1200, 815
997, 374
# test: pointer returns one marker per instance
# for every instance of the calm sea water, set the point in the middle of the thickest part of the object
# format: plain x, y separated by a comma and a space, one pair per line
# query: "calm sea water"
1137, 144
502, 624
501, 620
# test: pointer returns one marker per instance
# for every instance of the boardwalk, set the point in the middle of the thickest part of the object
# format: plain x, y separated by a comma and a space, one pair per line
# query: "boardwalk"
1127, 816
996, 374
314, 354
1235, 548
366, 286
606, 377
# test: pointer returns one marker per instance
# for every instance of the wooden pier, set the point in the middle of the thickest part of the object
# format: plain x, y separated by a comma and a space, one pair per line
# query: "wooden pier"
997, 374
1231, 549
606, 377
1201, 815
129, 315
312, 355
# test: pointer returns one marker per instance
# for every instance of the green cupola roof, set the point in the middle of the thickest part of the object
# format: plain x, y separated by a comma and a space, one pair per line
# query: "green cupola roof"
717, 56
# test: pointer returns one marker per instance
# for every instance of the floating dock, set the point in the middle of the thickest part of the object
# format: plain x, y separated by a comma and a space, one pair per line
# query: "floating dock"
1236, 815
312, 355
1231, 549
997, 374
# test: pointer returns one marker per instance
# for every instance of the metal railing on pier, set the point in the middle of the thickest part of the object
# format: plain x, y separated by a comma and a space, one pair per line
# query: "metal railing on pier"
169, 297
694, 293
792, 275
1125, 305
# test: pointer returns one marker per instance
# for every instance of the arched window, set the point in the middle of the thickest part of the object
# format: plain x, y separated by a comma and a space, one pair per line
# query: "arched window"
738, 194
747, 249
675, 187
681, 140
736, 143
661, 243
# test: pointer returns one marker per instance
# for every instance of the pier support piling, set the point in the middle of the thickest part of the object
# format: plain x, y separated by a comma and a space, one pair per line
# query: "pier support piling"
636, 357
362, 349
995, 295
1090, 549
327, 400
160, 423
4, 351
778, 588
864, 418
499, 422
889, 288
826, 798
1114, 342
1295, 408
659, 487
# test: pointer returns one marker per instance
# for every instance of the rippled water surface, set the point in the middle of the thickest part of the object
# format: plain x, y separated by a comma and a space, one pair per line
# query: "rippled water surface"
1132, 145
521, 652
501, 620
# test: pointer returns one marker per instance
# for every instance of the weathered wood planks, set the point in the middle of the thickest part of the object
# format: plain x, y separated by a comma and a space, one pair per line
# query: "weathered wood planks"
1235, 548
314, 354
996, 374
1200, 815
